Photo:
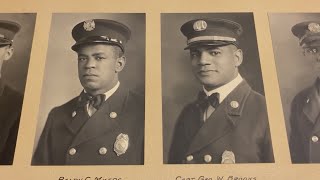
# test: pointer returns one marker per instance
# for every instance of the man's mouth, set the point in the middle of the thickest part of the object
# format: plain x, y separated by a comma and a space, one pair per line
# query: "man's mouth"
89, 75
206, 72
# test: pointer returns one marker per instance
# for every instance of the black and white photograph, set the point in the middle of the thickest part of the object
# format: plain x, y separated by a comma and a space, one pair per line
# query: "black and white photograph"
92, 106
16, 35
213, 105
296, 46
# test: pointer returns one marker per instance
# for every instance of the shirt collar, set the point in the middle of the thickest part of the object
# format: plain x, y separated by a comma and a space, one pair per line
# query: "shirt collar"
110, 92
226, 89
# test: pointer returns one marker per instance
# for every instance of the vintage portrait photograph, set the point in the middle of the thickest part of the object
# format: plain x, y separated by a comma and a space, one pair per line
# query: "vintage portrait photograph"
296, 46
16, 35
214, 109
92, 103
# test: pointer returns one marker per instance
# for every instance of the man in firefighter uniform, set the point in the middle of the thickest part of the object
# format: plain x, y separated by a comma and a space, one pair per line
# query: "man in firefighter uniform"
305, 107
10, 99
228, 123
105, 123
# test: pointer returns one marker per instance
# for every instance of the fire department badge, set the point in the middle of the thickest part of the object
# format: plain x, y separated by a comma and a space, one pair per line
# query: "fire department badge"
89, 25
200, 25
121, 145
314, 27
228, 157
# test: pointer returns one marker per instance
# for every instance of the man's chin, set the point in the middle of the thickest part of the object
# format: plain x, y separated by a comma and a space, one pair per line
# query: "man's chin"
90, 86
207, 82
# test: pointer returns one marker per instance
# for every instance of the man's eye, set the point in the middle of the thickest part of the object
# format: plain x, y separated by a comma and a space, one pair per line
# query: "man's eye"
99, 58
215, 53
81, 59
193, 55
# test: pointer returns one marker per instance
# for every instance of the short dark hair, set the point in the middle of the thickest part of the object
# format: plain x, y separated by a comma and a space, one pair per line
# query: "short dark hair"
117, 51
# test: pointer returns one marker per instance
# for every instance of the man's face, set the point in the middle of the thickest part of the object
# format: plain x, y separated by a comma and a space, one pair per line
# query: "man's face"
5, 53
98, 67
215, 66
312, 54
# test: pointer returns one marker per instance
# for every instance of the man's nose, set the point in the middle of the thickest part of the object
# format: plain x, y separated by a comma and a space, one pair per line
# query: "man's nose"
204, 58
91, 62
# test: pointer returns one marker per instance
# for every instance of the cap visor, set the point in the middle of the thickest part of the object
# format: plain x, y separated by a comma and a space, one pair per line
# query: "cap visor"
311, 41
209, 43
76, 46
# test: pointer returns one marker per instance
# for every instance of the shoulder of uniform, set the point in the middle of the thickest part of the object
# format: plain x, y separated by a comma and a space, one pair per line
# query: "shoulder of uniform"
138, 97
68, 105
12, 92
15, 96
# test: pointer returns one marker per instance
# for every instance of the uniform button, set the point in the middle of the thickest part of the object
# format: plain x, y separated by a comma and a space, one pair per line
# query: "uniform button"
113, 115
207, 158
234, 104
72, 151
189, 158
315, 138
103, 151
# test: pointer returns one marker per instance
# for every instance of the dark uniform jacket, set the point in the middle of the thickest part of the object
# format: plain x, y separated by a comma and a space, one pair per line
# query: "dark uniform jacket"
64, 141
10, 109
305, 125
239, 124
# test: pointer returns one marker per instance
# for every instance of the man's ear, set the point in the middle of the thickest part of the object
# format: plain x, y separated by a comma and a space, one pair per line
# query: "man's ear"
9, 52
120, 63
238, 54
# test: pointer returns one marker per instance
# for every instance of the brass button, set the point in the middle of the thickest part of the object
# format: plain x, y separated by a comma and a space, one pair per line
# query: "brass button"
72, 151
315, 139
103, 151
207, 158
234, 104
189, 158
113, 115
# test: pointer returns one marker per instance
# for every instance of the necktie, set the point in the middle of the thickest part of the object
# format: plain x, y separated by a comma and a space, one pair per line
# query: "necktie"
207, 104
93, 102
204, 101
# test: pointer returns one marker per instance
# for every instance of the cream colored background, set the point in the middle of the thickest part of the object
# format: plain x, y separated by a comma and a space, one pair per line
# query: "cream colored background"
153, 168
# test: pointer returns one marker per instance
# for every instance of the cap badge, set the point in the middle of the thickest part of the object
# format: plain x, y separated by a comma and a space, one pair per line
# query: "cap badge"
121, 145
200, 25
89, 25
228, 157
314, 27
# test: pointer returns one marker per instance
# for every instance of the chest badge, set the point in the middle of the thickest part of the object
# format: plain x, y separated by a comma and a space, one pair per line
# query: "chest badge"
121, 144
228, 157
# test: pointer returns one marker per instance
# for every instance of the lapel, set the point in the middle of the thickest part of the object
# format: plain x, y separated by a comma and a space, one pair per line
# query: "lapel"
100, 122
311, 107
223, 120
